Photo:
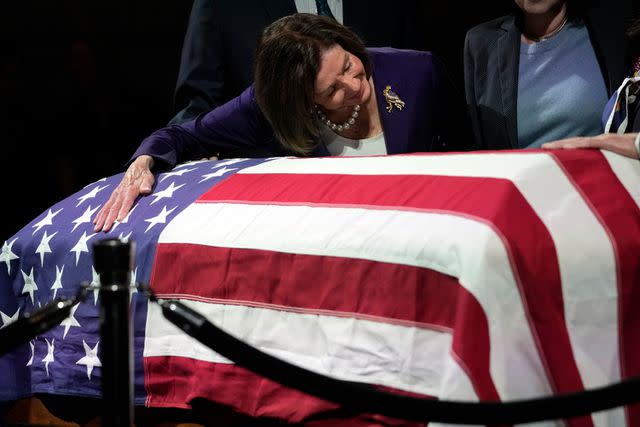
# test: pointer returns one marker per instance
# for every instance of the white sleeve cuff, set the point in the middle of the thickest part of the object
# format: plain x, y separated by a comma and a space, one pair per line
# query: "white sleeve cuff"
637, 144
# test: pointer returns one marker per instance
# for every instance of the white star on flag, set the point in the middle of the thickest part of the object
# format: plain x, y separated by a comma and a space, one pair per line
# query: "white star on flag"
229, 162
174, 173
49, 357
166, 193
95, 284
7, 320
33, 352
43, 247
7, 255
132, 283
57, 284
124, 220
81, 246
90, 360
47, 220
161, 218
85, 217
217, 173
70, 321
91, 194
29, 284
123, 236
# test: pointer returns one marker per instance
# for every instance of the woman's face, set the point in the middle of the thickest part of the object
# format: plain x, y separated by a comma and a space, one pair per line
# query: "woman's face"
539, 7
341, 81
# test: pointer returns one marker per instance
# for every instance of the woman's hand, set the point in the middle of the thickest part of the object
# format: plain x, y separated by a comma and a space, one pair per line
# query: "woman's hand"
623, 144
138, 180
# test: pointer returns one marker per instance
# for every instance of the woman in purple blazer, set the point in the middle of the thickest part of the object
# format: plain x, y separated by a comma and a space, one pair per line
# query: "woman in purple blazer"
318, 91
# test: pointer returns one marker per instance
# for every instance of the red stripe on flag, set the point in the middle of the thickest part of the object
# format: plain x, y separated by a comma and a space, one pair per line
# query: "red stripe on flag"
496, 202
247, 393
620, 216
334, 286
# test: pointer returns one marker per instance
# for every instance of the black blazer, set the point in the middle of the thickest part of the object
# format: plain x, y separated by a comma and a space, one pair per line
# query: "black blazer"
219, 48
491, 63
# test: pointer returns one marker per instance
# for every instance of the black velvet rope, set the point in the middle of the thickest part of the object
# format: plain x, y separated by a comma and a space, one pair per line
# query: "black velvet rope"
366, 398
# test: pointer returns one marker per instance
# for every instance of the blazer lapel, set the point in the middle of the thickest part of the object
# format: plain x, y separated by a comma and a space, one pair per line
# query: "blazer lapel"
606, 24
395, 123
508, 48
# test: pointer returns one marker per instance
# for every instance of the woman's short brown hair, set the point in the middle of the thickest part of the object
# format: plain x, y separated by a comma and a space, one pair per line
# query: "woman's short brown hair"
287, 62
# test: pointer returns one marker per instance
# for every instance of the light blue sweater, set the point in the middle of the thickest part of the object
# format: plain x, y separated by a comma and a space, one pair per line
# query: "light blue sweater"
561, 91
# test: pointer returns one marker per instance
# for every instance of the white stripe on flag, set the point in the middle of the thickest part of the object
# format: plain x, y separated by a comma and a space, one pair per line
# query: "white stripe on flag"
454, 386
460, 247
497, 165
345, 348
588, 274
628, 172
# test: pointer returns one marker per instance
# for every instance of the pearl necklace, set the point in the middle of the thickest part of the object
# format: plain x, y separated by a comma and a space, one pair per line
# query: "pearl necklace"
338, 127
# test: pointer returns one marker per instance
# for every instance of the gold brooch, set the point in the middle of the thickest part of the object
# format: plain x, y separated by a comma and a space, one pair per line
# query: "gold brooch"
393, 100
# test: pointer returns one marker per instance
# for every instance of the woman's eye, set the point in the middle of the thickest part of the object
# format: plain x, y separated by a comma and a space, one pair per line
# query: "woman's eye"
331, 90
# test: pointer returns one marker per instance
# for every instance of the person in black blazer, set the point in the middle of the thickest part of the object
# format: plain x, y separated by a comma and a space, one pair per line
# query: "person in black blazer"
491, 65
219, 47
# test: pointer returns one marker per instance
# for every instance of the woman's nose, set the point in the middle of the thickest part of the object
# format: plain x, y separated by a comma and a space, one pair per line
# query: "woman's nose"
352, 83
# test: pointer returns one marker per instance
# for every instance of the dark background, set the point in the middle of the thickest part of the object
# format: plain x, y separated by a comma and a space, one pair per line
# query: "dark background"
82, 82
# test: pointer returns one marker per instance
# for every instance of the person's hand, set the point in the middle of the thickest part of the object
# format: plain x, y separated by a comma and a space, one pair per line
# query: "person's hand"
623, 144
137, 180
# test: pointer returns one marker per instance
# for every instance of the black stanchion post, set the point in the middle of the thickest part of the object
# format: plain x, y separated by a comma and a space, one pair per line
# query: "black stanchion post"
113, 260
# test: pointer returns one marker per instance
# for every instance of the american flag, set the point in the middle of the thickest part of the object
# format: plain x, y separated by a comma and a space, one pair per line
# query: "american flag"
478, 276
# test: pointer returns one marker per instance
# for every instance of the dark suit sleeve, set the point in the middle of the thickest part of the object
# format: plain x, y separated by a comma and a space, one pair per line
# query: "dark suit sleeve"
237, 128
201, 77
452, 119
470, 93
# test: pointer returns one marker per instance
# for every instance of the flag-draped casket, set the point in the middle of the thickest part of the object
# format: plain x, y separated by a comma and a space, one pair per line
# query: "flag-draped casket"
479, 276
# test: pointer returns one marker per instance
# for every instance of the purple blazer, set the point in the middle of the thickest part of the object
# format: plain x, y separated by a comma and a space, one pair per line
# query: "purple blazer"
430, 120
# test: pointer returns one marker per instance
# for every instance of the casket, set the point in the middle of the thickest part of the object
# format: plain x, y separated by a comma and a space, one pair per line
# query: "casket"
476, 277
